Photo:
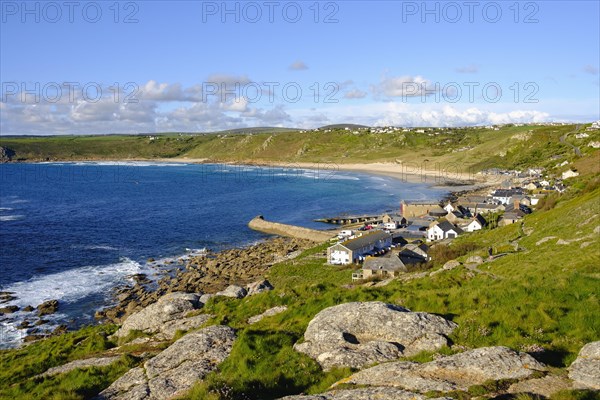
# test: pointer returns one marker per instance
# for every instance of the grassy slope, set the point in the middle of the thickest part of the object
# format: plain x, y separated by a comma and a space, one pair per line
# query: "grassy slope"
541, 295
510, 147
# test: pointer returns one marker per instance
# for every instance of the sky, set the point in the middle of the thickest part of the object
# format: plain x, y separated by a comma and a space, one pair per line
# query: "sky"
95, 67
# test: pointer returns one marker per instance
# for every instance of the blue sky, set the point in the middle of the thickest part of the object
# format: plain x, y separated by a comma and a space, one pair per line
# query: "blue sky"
297, 64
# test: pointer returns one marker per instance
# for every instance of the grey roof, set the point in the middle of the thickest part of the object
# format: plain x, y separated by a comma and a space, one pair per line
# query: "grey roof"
391, 263
506, 192
421, 202
446, 226
365, 240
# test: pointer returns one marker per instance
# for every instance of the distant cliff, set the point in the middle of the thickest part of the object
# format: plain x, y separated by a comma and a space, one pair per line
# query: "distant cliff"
6, 154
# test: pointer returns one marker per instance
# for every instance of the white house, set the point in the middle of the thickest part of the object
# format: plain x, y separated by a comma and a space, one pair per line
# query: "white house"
354, 250
476, 224
569, 174
443, 230
448, 207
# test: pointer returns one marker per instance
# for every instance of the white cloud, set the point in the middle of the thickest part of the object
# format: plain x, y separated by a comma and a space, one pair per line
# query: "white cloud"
355, 94
402, 86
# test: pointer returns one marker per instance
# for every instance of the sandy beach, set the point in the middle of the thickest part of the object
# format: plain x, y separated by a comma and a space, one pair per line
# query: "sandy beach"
450, 177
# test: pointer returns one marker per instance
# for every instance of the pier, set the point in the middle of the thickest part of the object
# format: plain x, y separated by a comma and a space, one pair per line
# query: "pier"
350, 219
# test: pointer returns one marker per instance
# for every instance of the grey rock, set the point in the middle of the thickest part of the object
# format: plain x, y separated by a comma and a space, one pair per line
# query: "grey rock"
259, 287
451, 265
48, 307
133, 385
205, 298
385, 393
154, 318
358, 334
175, 370
89, 362
234, 291
169, 329
456, 372
477, 260
269, 313
585, 370
546, 386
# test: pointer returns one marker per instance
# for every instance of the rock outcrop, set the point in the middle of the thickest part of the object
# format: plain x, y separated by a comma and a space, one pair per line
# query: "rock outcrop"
48, 307
451, 265
176, 369
237, 292
456, 372
85, 363
165, 317
259, 287
365, 394
358, 334
269, 313
6, 154
585, 370
546, 386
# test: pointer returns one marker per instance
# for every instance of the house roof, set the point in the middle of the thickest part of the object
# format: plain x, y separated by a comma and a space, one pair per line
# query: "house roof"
479, 219
446, 226
365, 240
421, 202
390, 263
506, 192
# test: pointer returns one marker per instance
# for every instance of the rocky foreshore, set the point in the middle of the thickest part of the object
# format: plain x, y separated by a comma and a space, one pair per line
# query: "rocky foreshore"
209, 273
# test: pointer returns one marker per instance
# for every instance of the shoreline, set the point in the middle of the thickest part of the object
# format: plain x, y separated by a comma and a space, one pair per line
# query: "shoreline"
410, 173
453, 184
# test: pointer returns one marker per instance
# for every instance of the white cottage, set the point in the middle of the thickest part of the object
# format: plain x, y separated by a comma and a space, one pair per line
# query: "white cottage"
354, 250
443, 230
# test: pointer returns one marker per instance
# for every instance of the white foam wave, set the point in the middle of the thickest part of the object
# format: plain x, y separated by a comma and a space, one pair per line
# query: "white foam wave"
95, 247
5, 209
72, 285
128, 163
11, 217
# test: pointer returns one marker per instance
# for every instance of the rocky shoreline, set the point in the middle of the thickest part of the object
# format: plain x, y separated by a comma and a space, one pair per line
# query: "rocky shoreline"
205, 274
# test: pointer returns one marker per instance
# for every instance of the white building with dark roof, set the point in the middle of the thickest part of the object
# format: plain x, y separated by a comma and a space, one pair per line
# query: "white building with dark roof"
355, 250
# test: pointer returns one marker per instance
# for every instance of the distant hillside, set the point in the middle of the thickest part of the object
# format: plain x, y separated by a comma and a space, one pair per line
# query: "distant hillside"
473, 149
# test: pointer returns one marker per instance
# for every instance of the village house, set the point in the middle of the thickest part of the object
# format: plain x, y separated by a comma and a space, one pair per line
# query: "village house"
484, 208
386, 267
503, 196
393, 221
475, 224
354, 250
511, 217
414, 253
443, 230
417, 208
531, 186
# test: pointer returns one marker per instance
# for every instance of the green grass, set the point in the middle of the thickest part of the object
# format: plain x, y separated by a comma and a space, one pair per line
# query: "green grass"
538, 296
510, 147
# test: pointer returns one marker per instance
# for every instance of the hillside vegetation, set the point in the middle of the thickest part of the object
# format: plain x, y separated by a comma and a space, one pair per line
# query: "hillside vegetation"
469, 149
542, 296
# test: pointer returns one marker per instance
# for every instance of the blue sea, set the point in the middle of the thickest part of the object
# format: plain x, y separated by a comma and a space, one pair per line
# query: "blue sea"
74, 231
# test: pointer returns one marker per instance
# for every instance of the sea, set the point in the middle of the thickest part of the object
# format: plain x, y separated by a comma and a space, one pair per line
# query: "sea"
75, 231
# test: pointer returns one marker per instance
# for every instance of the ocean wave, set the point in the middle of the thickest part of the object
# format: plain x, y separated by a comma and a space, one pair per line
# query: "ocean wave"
5, 209
4, 218
72, 285
95, 247
127, 163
